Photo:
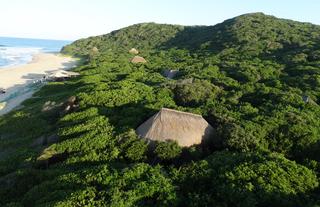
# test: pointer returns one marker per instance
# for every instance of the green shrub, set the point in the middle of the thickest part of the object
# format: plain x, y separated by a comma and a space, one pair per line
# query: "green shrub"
133, 148
194, 94
249, 179
167, 150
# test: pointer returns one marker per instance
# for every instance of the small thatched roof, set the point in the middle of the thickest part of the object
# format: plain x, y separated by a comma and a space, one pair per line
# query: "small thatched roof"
170, 73
134, 51
138, 59
2, 105
94, 50
185, 128
62, 74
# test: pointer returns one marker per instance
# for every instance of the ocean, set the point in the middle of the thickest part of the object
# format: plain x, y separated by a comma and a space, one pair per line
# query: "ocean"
19, 51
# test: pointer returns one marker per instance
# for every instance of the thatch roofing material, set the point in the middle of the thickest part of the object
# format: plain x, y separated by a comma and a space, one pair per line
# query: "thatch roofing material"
2, 105
185, 128
138, 59
63, 74
134, 51
95, 50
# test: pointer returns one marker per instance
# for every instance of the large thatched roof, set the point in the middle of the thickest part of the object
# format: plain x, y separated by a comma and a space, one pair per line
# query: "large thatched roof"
185, 128
138, 59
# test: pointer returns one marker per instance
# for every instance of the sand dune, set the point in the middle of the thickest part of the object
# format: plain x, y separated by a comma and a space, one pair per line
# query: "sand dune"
16, 80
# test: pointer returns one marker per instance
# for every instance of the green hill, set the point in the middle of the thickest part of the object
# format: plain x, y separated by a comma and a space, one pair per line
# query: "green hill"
255, 78
257, 32
145, 36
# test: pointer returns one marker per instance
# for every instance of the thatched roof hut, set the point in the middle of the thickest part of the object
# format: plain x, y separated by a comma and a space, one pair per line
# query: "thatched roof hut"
134, 51
61, 75
2, 105
170, 73
185, 128
138, 59
95, 50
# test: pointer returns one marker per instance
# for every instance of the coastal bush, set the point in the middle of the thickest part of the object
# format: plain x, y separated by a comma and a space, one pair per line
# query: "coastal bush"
133, 148
194, 94
247, 179
254, 78
167, 150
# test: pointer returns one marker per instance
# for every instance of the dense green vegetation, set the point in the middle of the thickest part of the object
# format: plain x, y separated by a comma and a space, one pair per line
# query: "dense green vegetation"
255, 78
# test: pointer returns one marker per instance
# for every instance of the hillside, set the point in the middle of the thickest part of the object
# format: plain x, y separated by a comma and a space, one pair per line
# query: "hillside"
255, 78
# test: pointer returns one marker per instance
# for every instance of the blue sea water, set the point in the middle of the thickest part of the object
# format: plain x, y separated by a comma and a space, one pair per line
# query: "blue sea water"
19, 51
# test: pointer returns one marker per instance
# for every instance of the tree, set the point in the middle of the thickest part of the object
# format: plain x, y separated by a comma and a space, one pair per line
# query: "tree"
132, 147
167, 150
195, 94
247, 179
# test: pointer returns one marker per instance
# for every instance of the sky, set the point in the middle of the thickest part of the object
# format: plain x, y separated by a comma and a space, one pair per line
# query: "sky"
74, 19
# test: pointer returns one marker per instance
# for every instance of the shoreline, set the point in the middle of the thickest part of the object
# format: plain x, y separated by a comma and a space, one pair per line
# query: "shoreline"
18, 81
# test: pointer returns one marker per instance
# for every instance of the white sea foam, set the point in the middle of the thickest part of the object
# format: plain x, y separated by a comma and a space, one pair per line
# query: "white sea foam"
19, 51
13, 56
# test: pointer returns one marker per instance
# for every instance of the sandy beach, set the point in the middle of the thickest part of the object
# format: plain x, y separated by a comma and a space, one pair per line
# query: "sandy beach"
16, 79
